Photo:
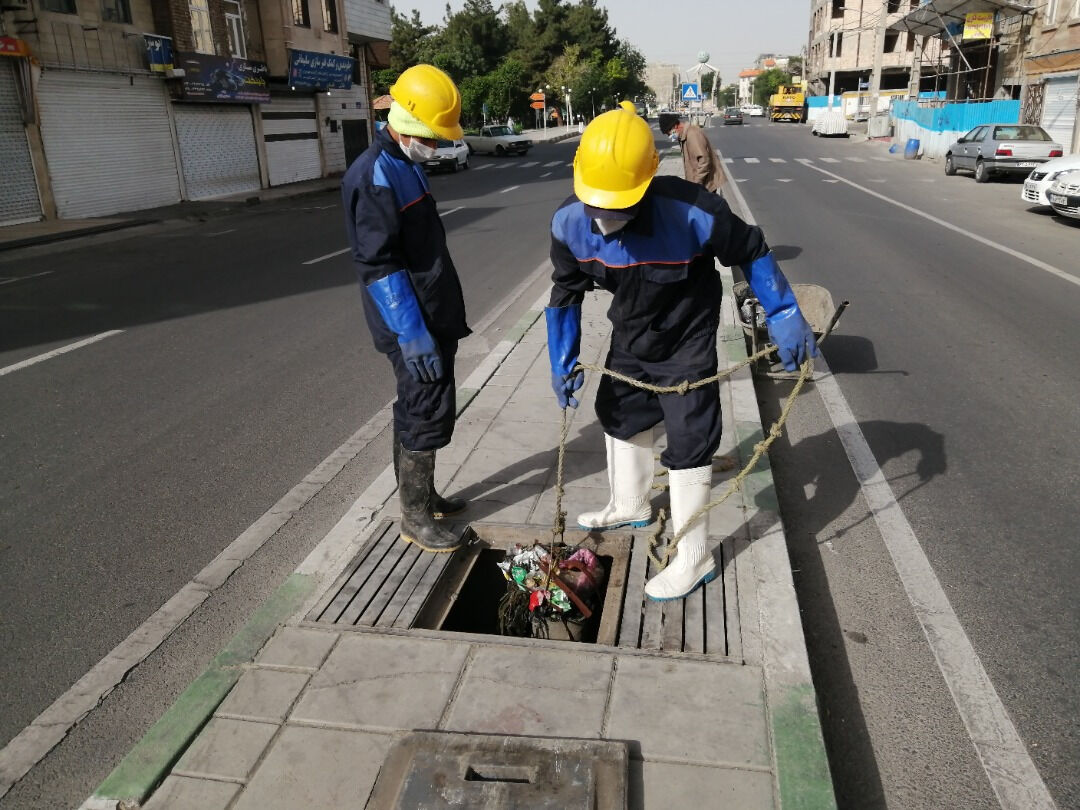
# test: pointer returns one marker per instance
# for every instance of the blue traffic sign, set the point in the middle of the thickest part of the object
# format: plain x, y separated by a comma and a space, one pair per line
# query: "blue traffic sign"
690, 92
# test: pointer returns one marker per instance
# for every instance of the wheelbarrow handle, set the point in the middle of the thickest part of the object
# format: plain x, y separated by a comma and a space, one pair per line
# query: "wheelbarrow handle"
832, 321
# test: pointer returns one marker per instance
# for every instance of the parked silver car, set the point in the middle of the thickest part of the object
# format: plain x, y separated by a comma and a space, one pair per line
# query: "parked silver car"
992, 149
1064, 196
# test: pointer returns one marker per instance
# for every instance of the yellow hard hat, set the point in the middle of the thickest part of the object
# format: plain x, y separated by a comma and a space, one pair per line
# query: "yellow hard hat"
615, 161
628, 106
430, 96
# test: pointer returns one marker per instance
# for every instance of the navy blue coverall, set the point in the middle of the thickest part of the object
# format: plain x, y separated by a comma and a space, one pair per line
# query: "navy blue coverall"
665, 308
393, 224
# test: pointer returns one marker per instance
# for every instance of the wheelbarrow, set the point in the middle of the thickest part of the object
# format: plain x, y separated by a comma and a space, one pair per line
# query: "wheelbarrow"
817, 307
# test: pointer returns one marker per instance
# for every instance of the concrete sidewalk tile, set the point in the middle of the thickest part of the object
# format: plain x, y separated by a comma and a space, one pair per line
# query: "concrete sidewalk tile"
586, 469
264, 694
497, 467
297, 647
316, 768
183, 793
383, 682
665, 784
523, 690
693, 711
488, 403
227, 748
509, 436
575, 501
503, 503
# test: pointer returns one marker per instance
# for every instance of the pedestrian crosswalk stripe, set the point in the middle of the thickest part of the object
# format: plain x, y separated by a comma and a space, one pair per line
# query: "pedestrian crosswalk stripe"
483, 166
883, 159
553, 163
777, 160
829, 160
729, 160
752, 160
783, 180
570, 164
508, 165
856, 160
827, 180
530, 164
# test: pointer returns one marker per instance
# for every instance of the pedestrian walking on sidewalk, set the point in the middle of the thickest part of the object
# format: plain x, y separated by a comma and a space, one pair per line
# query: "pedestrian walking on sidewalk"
651, 242
700, 162
411, 292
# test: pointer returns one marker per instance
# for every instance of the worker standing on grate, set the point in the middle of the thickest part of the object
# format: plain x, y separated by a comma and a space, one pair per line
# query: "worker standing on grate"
412, 296
651, 242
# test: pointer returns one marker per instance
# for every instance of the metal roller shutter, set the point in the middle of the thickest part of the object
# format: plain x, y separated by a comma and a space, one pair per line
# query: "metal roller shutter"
291, 130
18, 188
217, 149
108, 142
1059, 109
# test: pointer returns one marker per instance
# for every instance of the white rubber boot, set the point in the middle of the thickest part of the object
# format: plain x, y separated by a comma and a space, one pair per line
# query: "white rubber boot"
693, 564
630, 477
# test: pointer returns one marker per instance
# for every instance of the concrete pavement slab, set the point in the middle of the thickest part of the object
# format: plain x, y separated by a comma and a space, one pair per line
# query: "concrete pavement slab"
297, 647
263, 694
182, 793
226, 749
675, 785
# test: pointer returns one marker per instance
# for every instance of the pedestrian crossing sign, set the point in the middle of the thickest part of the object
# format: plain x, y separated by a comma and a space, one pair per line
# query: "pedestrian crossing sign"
690, 92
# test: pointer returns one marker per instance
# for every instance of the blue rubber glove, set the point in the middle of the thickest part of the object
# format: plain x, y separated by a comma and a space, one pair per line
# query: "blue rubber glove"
788, 328
564, 345
400, 310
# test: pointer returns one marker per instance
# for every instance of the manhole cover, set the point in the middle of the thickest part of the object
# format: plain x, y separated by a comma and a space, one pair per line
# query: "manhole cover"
432, 770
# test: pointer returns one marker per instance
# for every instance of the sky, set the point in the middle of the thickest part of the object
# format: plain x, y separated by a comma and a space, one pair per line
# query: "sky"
734, 32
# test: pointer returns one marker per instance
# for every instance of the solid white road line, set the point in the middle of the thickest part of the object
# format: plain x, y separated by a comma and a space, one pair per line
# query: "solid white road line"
57, 352
982, 240
508, 188
327, 256
452, 210
1012, 774
13, 279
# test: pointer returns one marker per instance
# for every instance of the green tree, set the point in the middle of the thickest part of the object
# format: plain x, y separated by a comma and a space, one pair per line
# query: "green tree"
411, 41
727, 96
765, 84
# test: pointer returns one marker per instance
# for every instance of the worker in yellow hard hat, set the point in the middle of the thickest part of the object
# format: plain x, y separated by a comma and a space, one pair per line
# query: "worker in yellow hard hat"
652, 242
412, 295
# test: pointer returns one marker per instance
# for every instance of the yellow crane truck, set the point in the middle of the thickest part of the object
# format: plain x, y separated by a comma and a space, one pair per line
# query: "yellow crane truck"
787, 104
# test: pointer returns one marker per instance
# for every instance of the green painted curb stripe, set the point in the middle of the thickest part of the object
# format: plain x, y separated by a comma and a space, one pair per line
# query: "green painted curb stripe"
150, 760
465, 396
801, 764
518, 330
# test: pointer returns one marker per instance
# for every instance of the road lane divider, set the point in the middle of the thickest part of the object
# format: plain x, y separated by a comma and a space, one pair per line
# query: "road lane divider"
327, 256
451, 211
508, 188
57, 352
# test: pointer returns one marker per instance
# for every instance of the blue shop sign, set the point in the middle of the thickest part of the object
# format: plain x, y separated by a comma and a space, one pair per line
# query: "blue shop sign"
320, 70
224, 79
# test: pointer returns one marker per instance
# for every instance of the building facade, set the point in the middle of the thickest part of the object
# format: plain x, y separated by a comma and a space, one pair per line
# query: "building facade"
1051, 72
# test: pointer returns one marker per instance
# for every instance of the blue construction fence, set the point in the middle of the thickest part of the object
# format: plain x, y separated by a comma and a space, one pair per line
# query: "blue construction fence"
937, 127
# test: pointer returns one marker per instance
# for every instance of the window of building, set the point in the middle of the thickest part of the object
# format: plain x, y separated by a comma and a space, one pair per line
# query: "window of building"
837, 8
202, 35
118, 11
894, 6
891, 38
330, 15
59, 6
839, 43
910, 41
234, 27
1051, 12
300, 13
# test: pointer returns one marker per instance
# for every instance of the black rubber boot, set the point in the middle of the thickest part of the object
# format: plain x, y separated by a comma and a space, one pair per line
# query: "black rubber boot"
416, 484
440, 507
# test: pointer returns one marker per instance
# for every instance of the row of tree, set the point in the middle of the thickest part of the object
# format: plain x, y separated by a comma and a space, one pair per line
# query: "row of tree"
499, 57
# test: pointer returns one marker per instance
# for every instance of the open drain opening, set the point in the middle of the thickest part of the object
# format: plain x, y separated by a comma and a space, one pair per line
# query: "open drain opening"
521, 775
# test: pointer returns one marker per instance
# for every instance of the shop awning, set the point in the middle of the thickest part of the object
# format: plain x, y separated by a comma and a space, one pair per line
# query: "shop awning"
933, 17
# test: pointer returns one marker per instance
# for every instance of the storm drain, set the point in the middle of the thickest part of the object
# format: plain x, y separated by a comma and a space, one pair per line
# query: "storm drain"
431, 770
392, 583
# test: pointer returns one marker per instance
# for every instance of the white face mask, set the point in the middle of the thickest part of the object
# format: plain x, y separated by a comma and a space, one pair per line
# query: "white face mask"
610, 226
417, 151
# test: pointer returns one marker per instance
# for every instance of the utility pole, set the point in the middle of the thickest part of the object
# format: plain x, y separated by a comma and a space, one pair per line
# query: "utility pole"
879, 53
832, 66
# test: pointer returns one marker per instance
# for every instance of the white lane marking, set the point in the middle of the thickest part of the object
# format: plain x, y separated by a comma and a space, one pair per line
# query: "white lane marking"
777, 160
783, 180
927, 180
878, 180
507, 165
982, 240
452, 210
880, 159
222, 233
546, 174
508, 188
1012, 774
56, 353
729, 160
827, 180
570, 164
530, 164
752, 160
552, 163
327, 256
483, 166
742, 180
829, 160
856, 160
13, 279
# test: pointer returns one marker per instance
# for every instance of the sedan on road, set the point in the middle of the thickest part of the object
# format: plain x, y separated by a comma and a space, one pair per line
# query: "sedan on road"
449, 156
1044, 176
1064, 196
732, 115
754, 110
990, 149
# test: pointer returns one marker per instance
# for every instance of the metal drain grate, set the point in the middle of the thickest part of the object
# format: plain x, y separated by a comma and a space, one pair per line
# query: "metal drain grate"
392, 583
433, 770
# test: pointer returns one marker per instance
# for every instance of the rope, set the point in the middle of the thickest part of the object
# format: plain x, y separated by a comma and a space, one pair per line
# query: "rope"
559, 528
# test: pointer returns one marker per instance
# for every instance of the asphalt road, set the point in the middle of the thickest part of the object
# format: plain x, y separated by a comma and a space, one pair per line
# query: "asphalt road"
128, 464
956, 358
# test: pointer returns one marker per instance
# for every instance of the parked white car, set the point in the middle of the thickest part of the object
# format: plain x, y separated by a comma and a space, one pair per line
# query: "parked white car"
754, 111
1064, 195
1045, 175
449, 156
499, 140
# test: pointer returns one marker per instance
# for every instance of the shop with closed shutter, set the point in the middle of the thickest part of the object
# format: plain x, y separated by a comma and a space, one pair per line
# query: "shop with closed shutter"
18, 189
1060, 100
108, 142
291, 131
